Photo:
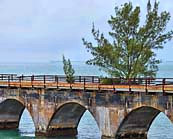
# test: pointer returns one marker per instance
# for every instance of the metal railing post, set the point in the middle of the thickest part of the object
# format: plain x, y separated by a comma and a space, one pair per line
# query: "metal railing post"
56, 80
163, 86
129, 82
12, 77
113, 84
84, 84
20, 81
44, 81
32, 80
80, 79
8, 81
92, 79
99, 84
22, 77
146, 86
99, 80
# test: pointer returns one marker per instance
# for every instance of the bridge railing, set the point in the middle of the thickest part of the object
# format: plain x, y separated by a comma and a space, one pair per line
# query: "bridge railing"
58, 80
55, 78
88, 79
7, 77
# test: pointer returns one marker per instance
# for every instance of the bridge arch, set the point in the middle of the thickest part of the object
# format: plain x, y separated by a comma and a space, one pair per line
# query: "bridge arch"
66, 119
11, 111
137, 123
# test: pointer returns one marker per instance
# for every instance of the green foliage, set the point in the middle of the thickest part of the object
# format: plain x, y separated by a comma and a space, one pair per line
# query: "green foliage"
117, 81
68, 70
110, 81
132, 52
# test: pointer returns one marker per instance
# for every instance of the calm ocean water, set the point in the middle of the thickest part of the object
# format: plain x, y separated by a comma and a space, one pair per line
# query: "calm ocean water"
161, 128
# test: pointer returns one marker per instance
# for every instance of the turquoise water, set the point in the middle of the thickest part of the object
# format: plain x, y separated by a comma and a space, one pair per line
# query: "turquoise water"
161, 128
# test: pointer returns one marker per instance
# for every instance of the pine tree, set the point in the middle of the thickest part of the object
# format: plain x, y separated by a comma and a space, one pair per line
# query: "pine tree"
132, 51
68, 70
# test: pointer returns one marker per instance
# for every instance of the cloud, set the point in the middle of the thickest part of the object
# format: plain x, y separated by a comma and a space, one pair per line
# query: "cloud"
43, 30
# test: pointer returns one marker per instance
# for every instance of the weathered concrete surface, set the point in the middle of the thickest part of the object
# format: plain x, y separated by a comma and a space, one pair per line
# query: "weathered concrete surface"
58, 112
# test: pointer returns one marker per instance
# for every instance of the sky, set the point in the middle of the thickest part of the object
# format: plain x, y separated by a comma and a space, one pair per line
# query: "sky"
44, 30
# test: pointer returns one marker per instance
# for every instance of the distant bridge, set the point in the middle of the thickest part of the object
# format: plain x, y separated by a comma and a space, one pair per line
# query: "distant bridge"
122, 109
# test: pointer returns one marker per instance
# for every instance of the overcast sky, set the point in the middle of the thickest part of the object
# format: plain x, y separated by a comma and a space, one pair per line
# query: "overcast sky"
44, 30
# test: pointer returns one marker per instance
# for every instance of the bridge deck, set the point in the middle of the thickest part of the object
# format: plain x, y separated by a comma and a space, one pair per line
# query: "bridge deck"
164, 85
88, 86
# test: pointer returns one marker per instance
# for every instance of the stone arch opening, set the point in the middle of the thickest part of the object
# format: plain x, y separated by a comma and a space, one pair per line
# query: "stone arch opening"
66, 119
137, 123
11, 111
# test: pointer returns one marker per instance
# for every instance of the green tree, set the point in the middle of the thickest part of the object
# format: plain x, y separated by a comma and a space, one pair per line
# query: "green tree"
68, 70
132, 51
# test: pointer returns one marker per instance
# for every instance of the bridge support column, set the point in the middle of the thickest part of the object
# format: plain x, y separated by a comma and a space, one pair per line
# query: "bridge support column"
108, 119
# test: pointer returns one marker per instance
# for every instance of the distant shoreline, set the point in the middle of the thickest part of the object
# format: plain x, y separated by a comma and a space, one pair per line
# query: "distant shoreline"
51, 61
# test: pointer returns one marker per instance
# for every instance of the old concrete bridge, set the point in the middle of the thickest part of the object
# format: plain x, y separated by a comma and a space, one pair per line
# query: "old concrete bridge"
122, 110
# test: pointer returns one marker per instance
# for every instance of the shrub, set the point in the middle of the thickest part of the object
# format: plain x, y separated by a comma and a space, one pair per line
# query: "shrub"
110, 81
68, 70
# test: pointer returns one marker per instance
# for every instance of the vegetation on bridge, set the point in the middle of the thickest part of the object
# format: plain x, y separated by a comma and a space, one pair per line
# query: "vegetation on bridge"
68, 70
132, 53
